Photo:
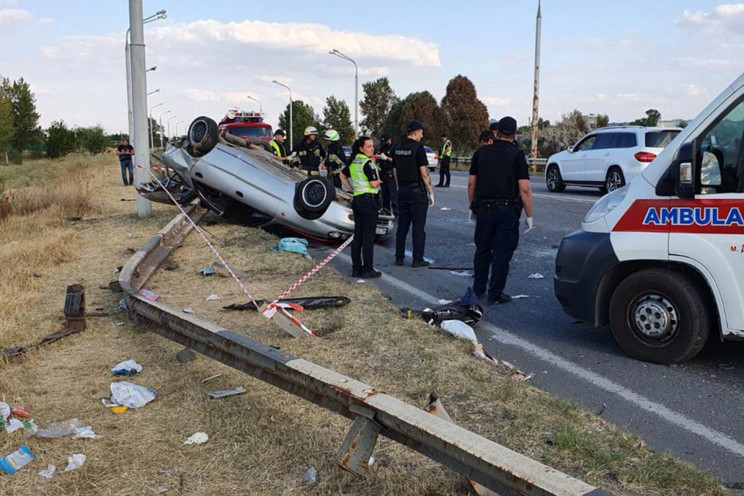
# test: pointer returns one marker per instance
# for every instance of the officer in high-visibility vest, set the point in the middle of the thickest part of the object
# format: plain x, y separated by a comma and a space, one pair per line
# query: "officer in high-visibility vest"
277, 145
310, 152
445, 154
336, 158
363, 178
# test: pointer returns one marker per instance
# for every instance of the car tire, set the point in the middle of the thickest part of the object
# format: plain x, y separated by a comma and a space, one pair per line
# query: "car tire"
660, 316
314, 194
554, 180
203, 134
614, 180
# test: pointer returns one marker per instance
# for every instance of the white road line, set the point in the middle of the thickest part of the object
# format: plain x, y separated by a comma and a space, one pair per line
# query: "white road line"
508, 338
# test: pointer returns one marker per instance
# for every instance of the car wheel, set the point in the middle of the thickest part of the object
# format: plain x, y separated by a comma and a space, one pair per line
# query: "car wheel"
553, 179
614, 180
660, 316
203, 134
314, 194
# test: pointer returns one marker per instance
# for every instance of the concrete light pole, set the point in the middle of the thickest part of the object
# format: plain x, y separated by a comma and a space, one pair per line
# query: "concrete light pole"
536, 97
356, 86
260, 106
152, 125
291, 141
177, 123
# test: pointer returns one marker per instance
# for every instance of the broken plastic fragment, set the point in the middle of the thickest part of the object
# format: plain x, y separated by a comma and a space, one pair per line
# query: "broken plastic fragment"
213, 297
310, 477
215, 395
48, 472
85, 433
462, 273
197, 438
75, 461
518, 297
146, 293
188, 310
536, 275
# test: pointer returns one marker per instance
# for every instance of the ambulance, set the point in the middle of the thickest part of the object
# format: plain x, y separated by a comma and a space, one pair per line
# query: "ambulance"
662, 259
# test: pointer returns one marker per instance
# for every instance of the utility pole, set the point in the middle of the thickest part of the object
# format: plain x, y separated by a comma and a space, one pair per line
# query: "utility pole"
356, 86
536, 97
139, 139
291, 141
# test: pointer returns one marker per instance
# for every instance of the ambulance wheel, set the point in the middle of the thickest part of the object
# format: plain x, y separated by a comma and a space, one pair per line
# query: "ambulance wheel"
203, 134
660, 316
553, 179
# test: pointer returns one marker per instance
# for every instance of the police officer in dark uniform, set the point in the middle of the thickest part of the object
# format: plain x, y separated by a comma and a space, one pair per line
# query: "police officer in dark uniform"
498, 189
310, 152
389, 188
415, 194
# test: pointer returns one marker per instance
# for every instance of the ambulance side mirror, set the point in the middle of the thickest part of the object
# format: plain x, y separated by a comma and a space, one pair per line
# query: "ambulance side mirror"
684, 169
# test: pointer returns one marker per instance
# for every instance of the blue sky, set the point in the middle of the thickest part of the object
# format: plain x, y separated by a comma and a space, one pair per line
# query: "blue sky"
618, 58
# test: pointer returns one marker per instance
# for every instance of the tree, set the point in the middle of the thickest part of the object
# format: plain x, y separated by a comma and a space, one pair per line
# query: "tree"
652, 118
6, 124
378, 100
336, 115
25, 117
465, 115
92, 139
603, 120
420, 106
558, 137
60, 140
303, 115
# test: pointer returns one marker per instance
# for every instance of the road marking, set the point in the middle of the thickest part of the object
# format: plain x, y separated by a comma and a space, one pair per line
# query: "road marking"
508, 338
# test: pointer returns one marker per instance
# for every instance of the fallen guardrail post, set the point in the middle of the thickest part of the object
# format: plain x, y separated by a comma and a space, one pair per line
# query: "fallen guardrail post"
373, 412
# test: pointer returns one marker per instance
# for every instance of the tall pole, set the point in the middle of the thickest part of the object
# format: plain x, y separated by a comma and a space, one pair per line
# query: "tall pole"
130, 110
536, 97
356, 86
291, 141
170, 119
151, 123
139, 136
260, 106
162, 129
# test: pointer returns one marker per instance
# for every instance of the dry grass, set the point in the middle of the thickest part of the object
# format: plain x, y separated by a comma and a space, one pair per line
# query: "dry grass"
262, 442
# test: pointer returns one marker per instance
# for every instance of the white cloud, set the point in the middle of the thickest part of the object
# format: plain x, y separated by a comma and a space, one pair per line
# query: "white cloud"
201, 95
13, 16
497, 101
44, 21
723, 19
694, 90
8, 3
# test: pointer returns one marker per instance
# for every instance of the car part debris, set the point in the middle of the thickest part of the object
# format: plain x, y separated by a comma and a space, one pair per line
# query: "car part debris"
307, 303
75, 461
197, 438
75, 307
601, 409
127, 368
17, 460
216, 395
20, 350
131, 395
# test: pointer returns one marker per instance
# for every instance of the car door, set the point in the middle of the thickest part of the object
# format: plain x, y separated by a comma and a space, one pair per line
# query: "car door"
709, 231
573, 166
600, 156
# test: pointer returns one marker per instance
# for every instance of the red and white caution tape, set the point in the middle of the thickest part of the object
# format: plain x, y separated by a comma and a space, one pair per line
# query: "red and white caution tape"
201, 233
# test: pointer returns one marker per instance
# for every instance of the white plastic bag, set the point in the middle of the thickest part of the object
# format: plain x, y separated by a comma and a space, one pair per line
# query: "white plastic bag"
75, 461
460, 330
48, 472
197, 438
127, 367
131, 395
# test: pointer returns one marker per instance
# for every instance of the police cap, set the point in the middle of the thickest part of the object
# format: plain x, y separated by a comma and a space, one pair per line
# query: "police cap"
507, 125
280, 132
414, 126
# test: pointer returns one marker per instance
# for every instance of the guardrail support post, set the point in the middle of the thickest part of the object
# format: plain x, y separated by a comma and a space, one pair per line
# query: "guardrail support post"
358, 445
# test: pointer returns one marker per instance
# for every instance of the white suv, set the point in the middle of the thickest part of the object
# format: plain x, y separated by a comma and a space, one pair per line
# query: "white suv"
607, 158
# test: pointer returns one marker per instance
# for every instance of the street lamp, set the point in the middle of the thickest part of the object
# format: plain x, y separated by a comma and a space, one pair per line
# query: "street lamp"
130, 109
291, 141
152, 125
153, 92
356, 86
255, 100
168, 123
177, 123
160, 119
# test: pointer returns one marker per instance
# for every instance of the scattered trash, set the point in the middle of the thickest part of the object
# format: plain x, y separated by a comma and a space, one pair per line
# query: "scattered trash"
127, 368
119, 410
481, 353
4, 410
85, 433
519, 297
310, 477
185, 356
436, 267
211, 377
17, 460
188, 310
13, 425
197, 438
509, 365
213, 297
207, 272
462, 273
216, 395
307, 303
519, 376
445, 208
460, 330
119, 324
48, 472
444, 302
108, 403
131, 395
292, 245
361, 281
56, 430
371, 461
122, 305
146, 293
468, 310
75, 461
536, 275
161, 490
726, 366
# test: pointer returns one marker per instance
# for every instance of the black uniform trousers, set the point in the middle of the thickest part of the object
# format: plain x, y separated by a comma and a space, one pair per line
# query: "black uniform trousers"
444, 171
413, 202
496, 238
365, 210
389, 192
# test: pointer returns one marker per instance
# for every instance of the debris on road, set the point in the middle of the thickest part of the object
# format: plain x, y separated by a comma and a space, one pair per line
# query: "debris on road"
292, 245
462, 273
48, 472
310, 477
197, 438
520, 296
601, 409
460, 330
131, 395
307, 303
445, 208
216, 395
409, 254
17, 460
75, 461
127, 368
146, 293
481, 353
536, 275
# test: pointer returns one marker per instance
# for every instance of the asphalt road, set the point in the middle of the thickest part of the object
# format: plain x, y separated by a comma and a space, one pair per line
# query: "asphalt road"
692, 411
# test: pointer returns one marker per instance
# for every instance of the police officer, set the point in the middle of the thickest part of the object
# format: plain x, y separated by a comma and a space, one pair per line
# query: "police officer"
389, 188
445, 155
498, 188
277, 145
336, 159
310, 152
362, 177
415, 194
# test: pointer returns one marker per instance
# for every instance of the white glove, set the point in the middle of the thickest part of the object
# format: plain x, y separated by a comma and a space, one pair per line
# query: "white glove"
472, 217
383, 156
528, 223
431, 199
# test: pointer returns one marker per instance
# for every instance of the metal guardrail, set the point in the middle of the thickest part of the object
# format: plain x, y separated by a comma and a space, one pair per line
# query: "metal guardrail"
540, 163
374, 412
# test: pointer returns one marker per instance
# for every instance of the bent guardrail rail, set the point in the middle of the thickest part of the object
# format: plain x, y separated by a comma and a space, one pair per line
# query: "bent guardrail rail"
373, 412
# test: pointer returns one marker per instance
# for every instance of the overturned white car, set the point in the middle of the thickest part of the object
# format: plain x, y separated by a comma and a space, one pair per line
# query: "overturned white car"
240, 180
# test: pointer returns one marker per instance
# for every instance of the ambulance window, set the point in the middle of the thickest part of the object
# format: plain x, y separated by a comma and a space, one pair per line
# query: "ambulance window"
720, 154
586, 144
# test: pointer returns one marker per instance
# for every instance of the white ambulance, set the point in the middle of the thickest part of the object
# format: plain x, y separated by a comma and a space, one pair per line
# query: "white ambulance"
662, 259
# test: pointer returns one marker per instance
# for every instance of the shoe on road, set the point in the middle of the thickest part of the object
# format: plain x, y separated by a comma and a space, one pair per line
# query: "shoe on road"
421, 263
499, 299
356, 272
399, 262
371, 274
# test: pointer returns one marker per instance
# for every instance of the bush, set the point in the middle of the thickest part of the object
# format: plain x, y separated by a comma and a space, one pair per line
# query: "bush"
60, 140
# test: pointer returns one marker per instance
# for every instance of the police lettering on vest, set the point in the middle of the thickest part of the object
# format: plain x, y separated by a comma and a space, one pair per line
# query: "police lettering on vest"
360, 179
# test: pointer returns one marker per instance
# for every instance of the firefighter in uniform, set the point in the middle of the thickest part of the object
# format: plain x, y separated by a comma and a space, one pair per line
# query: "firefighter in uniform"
389, 188
277, 145
498, 189
336, 159
415, 194
362, 177
445, 155
309, 152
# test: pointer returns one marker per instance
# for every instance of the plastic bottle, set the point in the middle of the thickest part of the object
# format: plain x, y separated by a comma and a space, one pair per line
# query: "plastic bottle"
17, 460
